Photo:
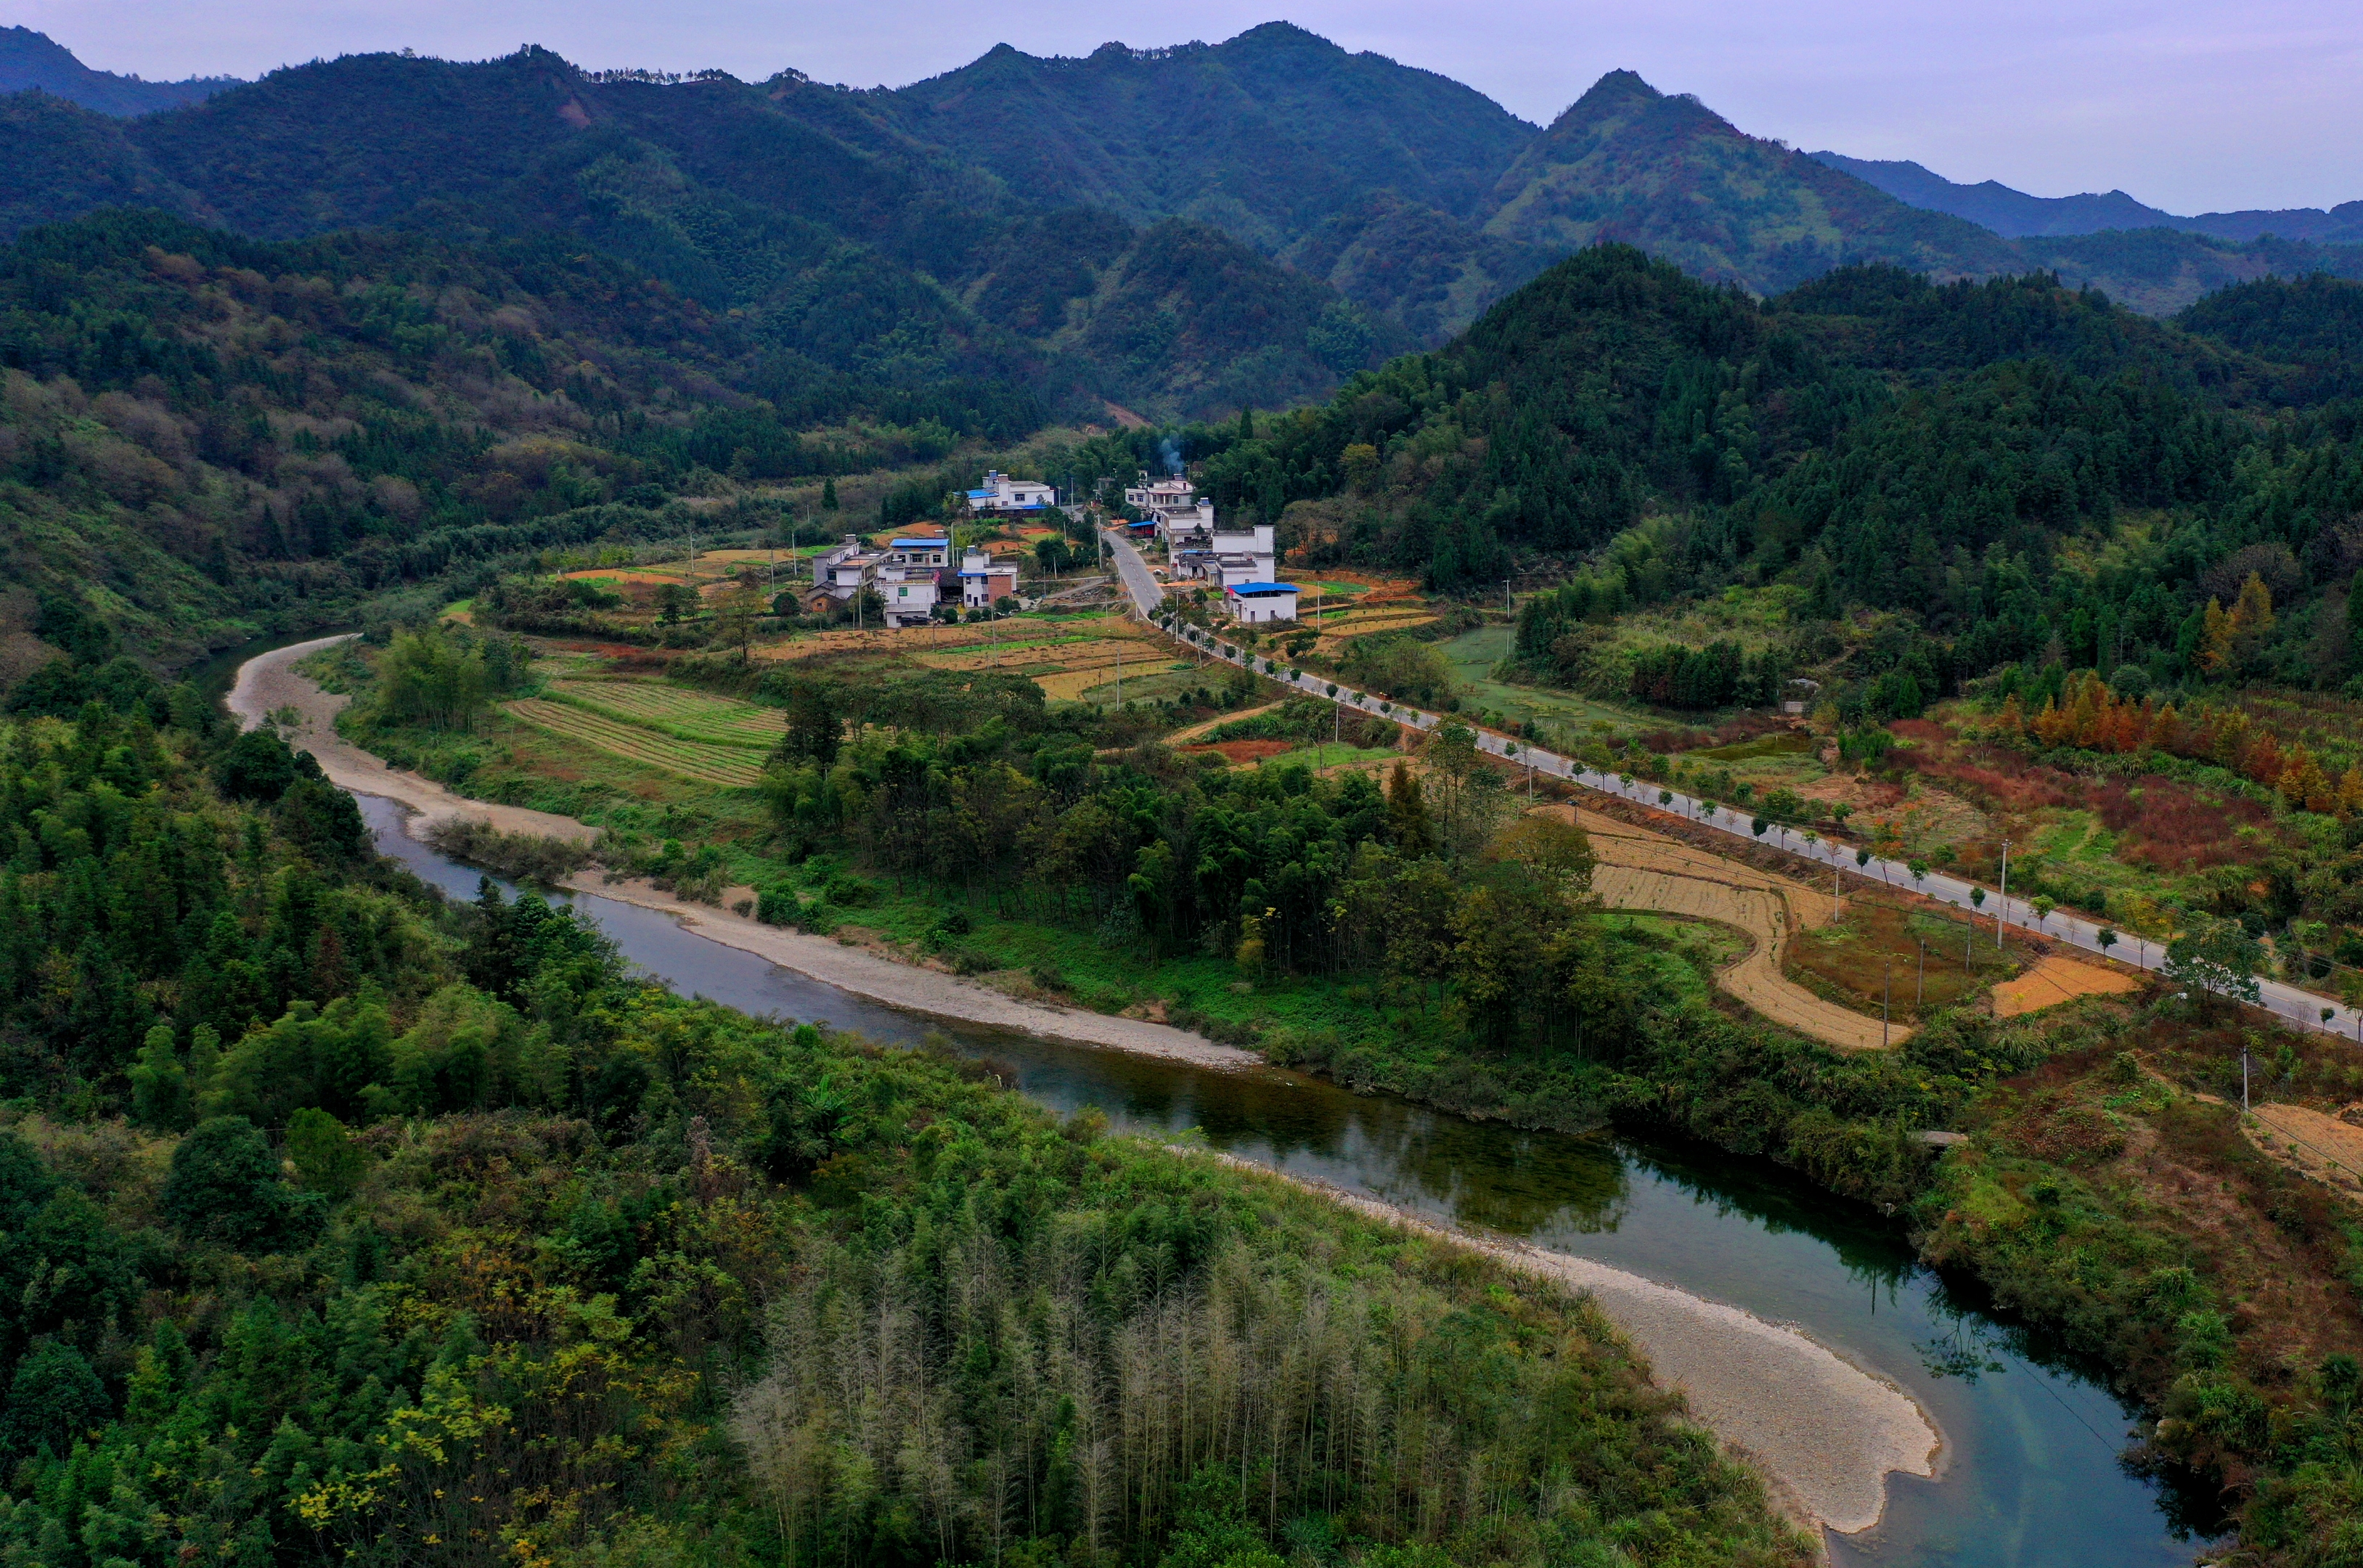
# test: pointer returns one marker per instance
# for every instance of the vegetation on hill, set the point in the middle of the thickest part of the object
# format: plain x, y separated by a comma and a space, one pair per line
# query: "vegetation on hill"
1870, 439
338, 1220
797, 209
1264, 135
31, 60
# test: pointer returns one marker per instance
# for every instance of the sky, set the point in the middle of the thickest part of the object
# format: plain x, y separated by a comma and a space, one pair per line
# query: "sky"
2188, 106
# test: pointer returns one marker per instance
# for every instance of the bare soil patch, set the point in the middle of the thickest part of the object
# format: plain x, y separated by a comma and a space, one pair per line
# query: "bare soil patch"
1244, 751
2053, 980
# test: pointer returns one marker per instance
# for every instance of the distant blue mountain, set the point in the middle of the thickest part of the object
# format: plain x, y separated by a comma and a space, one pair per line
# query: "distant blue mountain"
31, 60
2016, 215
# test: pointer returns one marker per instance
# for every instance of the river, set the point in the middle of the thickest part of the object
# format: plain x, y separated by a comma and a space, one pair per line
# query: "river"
2029, 1475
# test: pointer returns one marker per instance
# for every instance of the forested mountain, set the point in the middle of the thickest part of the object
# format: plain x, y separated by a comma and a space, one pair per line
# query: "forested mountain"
1973, 455
798, 209
1265, 136
29, 59
202, 434
1628, 162
1361, 205
2015, 213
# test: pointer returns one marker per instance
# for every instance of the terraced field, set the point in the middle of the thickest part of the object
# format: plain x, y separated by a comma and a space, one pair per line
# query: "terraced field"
1644, 870
683, 714
731, 767
1079, 666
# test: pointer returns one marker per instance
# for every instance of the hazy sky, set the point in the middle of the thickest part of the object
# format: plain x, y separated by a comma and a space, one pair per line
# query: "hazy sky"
2189, 105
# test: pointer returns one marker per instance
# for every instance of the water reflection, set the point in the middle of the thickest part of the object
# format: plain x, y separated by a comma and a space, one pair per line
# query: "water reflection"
2030, 1475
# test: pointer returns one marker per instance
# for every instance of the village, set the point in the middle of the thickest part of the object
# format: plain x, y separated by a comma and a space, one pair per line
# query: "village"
914, 580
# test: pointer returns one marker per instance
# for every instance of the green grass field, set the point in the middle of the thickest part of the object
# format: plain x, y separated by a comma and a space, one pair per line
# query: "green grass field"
676, 711
731, 767
1472, 656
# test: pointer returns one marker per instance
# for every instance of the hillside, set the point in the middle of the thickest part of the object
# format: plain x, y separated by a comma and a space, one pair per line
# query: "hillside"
828, 232
1263, 136
205, 437
2014, 214
1959, 455
31, 60
1630, 164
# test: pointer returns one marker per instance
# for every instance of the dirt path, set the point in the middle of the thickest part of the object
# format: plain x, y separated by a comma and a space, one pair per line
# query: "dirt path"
1182, 737
1824, 1432
2053, 980
267, 683
1645, 871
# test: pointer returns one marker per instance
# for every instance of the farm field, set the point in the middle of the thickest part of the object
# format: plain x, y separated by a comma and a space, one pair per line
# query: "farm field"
686, 715
731, 767
2053, 980
1077, 661
1472, 656
1639, 870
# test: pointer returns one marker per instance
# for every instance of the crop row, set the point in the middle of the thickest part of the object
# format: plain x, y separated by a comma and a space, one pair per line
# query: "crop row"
687, 716
729, 766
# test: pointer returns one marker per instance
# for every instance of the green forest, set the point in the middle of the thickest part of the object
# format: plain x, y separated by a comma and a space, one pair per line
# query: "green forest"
343, 1223
2022, 471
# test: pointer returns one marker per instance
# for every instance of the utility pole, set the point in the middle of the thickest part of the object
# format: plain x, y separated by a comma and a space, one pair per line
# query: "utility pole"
2243, 1078
2001, 910
1886, 991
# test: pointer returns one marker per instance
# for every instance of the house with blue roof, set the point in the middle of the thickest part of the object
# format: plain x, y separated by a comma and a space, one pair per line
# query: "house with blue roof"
1002, 494
1252, 604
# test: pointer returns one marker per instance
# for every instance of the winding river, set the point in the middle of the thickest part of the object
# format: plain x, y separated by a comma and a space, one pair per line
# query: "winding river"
2028, 1475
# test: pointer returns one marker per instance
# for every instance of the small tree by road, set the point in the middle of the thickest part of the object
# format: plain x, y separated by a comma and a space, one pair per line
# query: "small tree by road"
2217, 957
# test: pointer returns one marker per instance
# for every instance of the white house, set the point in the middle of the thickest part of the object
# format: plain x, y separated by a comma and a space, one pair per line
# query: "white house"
842, 571
911, 594
985, 581
1241, 555
1002, 494
1161, 496
1254, 602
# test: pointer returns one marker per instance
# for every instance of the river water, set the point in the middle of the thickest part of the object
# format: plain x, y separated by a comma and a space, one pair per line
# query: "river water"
2029, 1476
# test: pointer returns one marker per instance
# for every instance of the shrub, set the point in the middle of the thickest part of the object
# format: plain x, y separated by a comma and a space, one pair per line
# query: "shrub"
225, 1187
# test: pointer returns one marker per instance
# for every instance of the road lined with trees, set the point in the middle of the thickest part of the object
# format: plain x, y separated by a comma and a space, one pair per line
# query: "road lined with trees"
2212, 956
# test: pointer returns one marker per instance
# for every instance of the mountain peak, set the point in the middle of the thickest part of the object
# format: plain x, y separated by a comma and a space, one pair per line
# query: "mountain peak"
31, 60
1265, 34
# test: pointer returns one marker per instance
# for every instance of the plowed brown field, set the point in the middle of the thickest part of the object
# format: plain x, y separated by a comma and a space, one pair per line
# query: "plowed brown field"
2055, 980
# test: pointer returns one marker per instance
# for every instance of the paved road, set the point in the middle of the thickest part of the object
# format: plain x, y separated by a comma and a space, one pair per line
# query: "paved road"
2292, 1003
1139, 582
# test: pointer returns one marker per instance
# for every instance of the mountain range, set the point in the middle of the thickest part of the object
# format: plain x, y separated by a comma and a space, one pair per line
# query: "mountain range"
1169, 232
2014, 214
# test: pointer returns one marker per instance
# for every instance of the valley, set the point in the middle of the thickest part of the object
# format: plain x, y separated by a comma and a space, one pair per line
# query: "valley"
1191, 809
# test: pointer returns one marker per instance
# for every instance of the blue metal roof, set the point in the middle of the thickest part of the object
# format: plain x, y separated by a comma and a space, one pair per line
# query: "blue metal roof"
918, 543
1262, 590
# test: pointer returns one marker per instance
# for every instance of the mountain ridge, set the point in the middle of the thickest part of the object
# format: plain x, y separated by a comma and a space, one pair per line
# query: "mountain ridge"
2014, 214
1390, 205
31, 60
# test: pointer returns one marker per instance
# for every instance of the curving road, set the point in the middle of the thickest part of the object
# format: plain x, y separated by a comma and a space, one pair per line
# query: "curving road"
2292, 1005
